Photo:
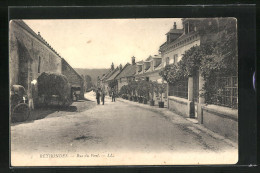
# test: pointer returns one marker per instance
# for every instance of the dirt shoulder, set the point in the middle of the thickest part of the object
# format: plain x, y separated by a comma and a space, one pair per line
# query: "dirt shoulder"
49, 112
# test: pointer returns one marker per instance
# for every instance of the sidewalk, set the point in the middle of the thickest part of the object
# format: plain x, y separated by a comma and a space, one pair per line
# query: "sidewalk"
195, 127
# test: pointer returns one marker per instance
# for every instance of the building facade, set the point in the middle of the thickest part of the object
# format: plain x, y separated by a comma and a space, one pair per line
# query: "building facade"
75, 80
127, 74
186, 96
29, 56
149, 70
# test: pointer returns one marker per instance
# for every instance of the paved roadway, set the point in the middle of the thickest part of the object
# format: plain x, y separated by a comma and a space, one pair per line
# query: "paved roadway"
115, 133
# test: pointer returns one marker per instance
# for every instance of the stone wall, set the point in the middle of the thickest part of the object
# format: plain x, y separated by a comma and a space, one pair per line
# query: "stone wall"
221, 120
180, 106
30, 56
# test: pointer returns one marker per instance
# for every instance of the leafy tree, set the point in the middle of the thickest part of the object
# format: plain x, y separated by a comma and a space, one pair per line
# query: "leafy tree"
112, 84
88, 78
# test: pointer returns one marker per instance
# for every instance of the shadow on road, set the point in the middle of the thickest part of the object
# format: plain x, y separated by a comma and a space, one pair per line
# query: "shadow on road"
57, 111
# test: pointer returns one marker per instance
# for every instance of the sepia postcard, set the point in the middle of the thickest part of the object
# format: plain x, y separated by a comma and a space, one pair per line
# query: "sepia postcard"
107, 92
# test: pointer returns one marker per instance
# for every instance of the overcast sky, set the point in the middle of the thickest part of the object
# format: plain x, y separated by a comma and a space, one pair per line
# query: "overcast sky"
96, 43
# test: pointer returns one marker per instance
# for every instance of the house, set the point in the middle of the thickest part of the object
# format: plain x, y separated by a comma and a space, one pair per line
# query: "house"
112, 78
178, 41
75, 80
102, 81
29, 56
127, 74
186, 96
149, 70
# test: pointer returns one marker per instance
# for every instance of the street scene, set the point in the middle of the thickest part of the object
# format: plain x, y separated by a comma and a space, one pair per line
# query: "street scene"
170, 103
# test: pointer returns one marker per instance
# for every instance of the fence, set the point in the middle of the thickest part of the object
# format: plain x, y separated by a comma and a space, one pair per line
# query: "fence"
180, 89
226, 92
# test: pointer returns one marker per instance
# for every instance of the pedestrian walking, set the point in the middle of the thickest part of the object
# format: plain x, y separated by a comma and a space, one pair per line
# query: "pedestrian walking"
98, 97
103, 96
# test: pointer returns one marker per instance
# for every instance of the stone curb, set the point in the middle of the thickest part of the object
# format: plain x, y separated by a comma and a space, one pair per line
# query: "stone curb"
166, 113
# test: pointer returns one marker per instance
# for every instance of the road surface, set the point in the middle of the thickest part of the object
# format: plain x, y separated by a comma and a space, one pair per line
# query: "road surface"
114, 134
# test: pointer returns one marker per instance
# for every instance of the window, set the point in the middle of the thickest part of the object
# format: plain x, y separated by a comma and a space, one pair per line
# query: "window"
226, 92
175, 58
167, 61
179, 89
168, 38
39, 65
147, 79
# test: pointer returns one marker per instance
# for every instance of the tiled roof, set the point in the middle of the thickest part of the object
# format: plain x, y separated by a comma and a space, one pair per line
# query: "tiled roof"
175, 31
149, 58
145, 74
109, 73
139, 62
157, 56
128, 70
113, 76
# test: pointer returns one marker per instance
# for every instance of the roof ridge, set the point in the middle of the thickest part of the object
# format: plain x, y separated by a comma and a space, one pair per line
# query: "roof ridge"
21, 23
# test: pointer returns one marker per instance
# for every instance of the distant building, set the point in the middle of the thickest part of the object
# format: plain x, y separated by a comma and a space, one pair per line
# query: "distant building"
127, 74
112, 78
75, 80
103, 83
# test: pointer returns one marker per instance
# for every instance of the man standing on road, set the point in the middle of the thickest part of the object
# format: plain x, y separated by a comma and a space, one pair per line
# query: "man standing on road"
113, 96
98, 97
103, 96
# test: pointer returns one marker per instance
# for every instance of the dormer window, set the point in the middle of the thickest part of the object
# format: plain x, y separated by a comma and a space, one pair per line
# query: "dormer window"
139, 68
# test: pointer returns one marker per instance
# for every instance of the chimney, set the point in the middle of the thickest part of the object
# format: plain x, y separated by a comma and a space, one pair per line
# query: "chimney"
174, 26
133, 60
112, 66
120, 67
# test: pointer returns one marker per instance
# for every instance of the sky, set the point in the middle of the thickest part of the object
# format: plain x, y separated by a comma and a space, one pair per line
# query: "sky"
96, 43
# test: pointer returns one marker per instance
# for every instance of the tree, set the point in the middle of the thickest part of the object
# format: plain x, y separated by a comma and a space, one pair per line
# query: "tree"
112, 83
88, 78
89, 83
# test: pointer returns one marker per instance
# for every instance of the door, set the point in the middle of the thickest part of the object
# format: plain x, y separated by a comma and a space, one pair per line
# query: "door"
196, 93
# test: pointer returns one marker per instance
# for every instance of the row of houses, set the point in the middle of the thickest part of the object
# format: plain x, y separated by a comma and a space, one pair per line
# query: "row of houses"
30, 55
186, 96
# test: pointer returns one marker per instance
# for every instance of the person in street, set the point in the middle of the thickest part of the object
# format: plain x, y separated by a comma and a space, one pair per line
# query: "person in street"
113, 96
103, 96
98, 97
